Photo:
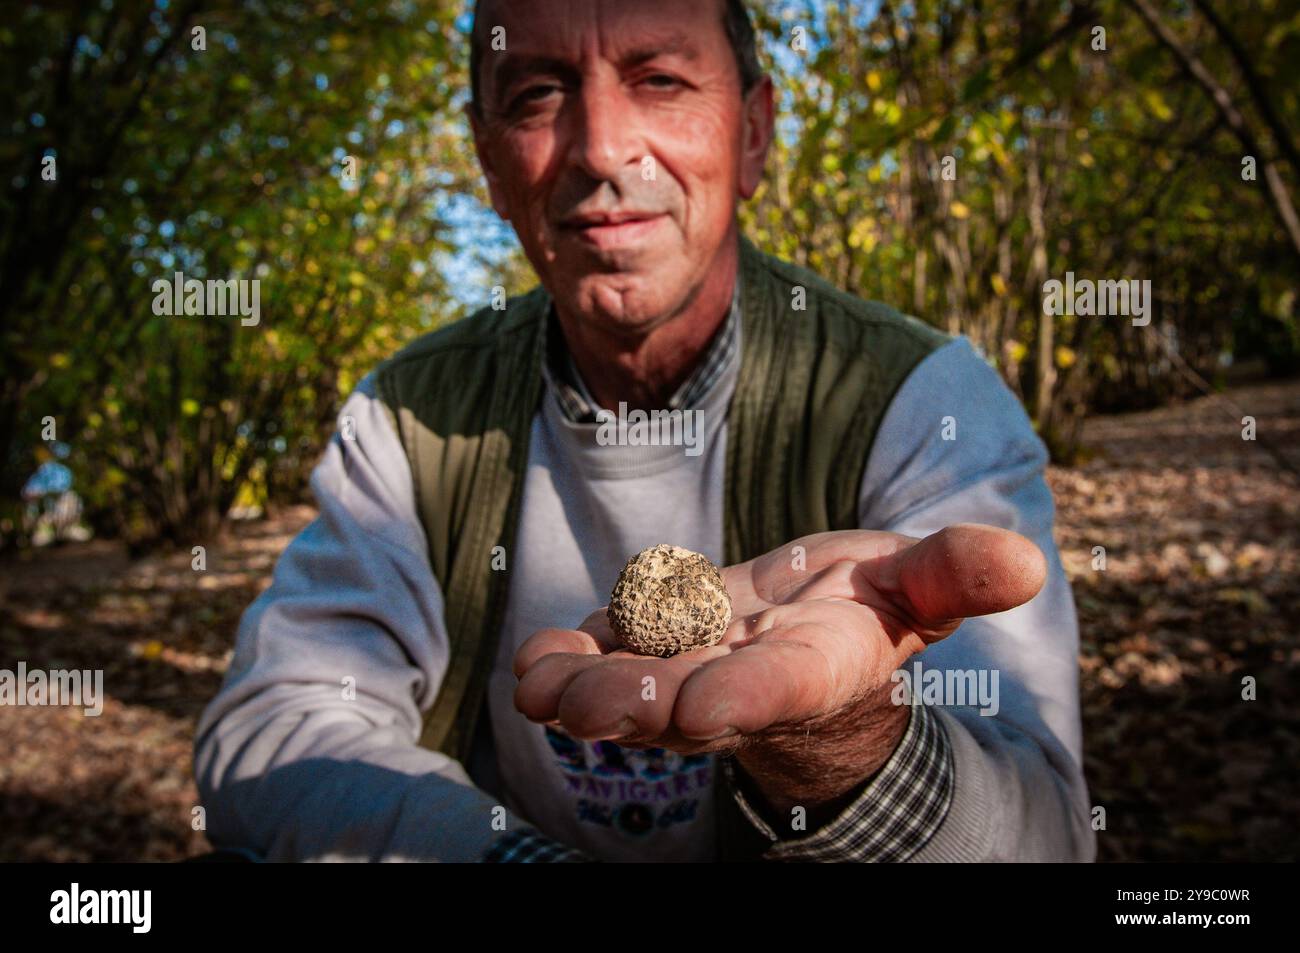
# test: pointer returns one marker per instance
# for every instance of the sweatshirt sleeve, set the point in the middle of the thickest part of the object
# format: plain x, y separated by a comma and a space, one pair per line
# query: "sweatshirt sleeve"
309, 751
955, 446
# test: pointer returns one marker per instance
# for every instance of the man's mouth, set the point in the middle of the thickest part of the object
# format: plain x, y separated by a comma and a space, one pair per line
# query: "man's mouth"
612, 229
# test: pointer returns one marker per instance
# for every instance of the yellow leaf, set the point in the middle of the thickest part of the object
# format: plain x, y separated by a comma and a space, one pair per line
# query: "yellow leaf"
152, 649
999, 286
873, 81
863, 234
1156, 103
959, 210
1064, 357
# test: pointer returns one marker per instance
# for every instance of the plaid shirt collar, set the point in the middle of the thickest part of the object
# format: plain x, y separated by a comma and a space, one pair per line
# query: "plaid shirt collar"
576, 402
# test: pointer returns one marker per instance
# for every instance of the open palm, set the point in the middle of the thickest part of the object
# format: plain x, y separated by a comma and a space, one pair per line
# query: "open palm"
813, 631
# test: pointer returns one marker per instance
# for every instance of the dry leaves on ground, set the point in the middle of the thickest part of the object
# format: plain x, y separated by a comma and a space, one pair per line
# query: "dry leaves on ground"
1199, 591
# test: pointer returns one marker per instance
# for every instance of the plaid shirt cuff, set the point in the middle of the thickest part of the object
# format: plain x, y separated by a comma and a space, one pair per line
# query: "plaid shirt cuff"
897, 812
527, 846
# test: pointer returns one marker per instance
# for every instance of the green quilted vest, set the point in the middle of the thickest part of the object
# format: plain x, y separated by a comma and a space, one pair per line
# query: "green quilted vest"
813, 386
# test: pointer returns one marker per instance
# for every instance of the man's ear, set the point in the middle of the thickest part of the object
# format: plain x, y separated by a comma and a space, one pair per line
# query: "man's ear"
757, 125
482, 148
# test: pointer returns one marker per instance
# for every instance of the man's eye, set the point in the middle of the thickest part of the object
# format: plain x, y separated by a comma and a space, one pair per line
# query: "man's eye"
662, 81
534, 94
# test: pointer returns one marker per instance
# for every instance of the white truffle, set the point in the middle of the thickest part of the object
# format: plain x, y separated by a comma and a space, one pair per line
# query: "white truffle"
669, 600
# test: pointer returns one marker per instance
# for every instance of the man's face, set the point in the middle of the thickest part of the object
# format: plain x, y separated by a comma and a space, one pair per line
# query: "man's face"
616, 141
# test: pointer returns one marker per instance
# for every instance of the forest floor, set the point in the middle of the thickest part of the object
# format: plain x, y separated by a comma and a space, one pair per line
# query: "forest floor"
1198, 596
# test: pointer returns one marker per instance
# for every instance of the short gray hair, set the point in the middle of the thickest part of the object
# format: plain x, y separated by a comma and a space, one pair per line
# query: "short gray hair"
740, 31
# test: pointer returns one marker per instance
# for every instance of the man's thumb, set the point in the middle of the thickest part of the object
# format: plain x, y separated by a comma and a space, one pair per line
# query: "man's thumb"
968, 570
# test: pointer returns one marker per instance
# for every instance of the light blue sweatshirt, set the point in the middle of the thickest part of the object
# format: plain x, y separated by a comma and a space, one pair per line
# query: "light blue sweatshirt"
309, 751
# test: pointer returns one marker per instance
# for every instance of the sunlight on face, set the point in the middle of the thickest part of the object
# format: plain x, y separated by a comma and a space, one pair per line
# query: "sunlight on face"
612, 142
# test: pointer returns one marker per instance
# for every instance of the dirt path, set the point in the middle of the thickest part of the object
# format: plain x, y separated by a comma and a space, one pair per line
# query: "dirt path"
1201, 590
1201, 533
119, 786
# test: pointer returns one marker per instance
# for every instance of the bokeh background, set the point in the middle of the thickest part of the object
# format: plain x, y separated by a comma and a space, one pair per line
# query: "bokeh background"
1143, 139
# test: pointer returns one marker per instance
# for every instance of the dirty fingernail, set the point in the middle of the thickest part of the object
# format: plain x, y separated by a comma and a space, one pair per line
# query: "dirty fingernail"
625, 728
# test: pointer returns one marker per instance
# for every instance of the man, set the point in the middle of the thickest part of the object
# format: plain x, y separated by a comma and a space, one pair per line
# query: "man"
412, 686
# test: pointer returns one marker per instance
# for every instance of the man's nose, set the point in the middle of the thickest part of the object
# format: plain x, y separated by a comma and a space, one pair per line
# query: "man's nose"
604, 134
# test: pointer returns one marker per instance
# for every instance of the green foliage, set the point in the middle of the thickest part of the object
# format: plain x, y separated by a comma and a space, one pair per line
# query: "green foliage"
1121, 158
228, 162
219, 163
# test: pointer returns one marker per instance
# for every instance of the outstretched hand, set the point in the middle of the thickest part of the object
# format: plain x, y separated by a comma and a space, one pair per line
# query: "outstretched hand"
812, 644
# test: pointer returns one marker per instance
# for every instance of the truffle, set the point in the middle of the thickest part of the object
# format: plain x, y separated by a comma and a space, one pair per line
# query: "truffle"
669, 600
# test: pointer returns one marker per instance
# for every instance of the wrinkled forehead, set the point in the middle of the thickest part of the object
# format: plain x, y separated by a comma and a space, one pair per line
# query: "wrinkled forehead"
578, 31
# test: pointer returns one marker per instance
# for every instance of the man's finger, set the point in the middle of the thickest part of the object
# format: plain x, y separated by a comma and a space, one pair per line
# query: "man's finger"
553, 641
962, 571
625, 695
538, 694
790, 672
